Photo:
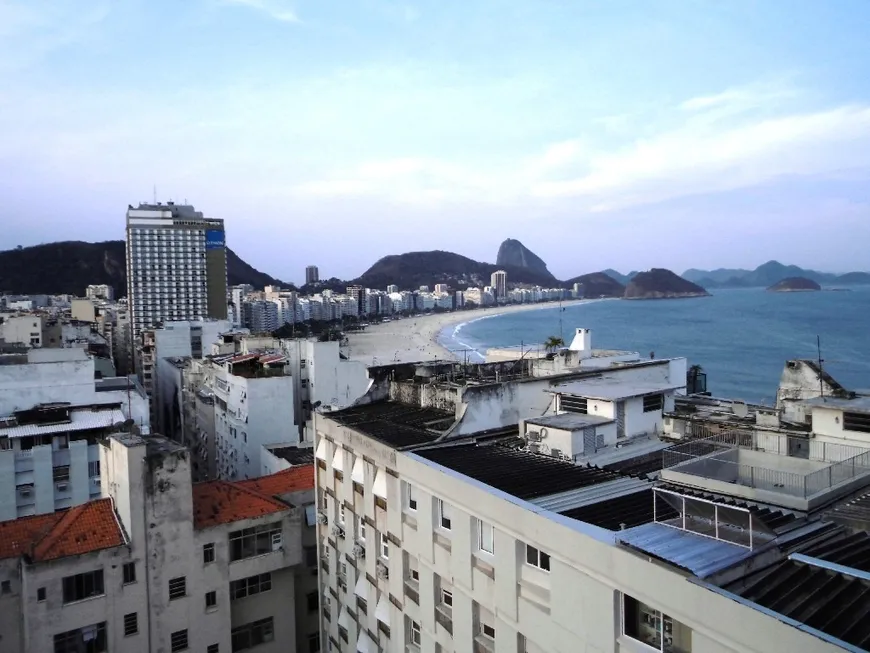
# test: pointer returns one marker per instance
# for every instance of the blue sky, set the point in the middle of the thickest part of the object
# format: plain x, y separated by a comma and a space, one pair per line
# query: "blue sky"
622, 134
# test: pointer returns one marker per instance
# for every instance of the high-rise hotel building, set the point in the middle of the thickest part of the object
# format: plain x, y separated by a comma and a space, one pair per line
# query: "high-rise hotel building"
176, 265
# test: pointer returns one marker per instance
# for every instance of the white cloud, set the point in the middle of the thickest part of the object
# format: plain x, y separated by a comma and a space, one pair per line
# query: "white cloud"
276, 9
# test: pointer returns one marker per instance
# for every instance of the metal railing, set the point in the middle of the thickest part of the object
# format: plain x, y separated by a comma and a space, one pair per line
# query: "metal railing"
718, 457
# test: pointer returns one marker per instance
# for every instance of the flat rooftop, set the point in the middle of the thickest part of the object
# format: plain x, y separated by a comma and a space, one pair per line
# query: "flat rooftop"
396, 424
609, 389
856, 405
569, 421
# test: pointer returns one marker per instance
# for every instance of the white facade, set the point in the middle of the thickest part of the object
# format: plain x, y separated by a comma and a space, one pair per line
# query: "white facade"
418, 557
23, 329
100, 291
176, 265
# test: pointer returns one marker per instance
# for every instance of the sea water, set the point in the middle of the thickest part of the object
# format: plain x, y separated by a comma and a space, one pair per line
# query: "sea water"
741, 338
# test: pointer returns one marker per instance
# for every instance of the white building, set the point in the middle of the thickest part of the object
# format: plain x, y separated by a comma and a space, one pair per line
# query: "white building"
100, 291
176, 265
23, 329
498, 282
433, 542
207, 567
52, 412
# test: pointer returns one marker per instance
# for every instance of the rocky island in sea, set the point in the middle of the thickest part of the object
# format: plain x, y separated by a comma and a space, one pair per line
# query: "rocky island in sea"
795, 284
659, 283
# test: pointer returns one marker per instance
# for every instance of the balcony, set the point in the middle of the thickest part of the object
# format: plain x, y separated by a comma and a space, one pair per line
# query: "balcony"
793, 472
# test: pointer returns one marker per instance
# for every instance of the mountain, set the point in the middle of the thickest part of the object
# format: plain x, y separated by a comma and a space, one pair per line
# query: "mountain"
512, 253
414, 269
598, 284
768, 274
618, 276
659, 283
795, 284
69, 267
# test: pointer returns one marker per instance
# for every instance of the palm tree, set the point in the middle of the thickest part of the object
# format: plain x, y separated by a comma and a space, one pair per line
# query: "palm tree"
552, 343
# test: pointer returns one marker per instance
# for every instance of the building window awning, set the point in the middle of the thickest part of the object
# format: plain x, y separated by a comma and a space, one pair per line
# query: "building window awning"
380, 486
362, 588
338, 460
365, 644
358, 473
327, 595
343, 618
382, 612
310, 515
320, 454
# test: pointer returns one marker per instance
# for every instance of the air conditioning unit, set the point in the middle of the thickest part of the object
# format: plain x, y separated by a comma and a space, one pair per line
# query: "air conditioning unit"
359, 551
25, 491
533, 436
534, 447
383, 571
322, 518
95, 480
337, 531
62, 486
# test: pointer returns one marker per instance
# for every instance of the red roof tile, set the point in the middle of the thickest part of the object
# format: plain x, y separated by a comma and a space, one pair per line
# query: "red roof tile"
221, 502
90, 527
294, 479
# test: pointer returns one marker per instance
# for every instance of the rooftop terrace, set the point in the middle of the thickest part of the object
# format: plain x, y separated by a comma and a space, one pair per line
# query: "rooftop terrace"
399, 425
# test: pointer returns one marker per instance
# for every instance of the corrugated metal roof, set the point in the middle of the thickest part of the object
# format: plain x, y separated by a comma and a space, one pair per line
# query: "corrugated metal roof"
585, 496
241, 358
271, 358
701, 555
80, 420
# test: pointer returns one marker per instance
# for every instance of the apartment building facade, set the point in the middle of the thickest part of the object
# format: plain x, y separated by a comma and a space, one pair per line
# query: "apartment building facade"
159, 564
176, 265
432, 545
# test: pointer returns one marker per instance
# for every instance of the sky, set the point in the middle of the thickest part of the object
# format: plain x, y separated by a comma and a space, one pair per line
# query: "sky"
619, 134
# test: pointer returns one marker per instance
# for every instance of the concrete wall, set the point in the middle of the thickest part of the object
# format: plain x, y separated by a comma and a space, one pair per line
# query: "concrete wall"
269, 412
23, 386
24, 329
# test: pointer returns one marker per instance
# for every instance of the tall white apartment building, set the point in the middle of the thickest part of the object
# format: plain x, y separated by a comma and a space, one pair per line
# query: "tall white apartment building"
160, 564
100, 291
498, 282
176, 265
52, 413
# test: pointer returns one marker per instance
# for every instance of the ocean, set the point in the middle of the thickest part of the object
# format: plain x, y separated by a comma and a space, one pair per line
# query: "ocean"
741, 338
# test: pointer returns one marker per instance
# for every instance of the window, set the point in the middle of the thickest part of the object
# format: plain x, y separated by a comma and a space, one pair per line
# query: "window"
210, 600
856, 422
6, 587
414, 633
177, 588
60, 474
487, 631
652, 403
83, 586
385, 547
94, 468
444, 518
131, 624
447, 598
255, 541
314, 643
207, 553
537, 558
129, 572
40, 594
485, 537
178, 640
312, 599
574, 404
253, 634
90, 639
239, 589
657, 630
341, 514
412, 497
213, 648
310, 556
415, 575
361, 528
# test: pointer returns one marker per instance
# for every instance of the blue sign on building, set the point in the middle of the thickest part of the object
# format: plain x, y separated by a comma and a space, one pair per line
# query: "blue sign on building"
214, 239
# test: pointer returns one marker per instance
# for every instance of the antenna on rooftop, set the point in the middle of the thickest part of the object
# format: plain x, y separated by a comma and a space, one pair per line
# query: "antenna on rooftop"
821, 360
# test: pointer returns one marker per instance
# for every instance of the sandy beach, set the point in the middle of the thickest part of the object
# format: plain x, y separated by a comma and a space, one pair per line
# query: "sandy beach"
416, 338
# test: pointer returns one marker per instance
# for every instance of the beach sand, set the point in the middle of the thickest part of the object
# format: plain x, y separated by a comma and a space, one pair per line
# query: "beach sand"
415, 338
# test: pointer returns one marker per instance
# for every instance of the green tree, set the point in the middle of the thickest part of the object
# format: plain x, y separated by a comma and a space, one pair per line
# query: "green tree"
553, 343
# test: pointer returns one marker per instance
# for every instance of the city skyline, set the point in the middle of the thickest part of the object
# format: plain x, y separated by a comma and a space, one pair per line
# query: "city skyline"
685, 135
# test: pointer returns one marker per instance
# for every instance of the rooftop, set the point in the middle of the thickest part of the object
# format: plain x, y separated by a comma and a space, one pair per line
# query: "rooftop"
519, 473
293, 455
82, 419
609, 389
396, 424
860, 404
83, 529
223, 502
569, 421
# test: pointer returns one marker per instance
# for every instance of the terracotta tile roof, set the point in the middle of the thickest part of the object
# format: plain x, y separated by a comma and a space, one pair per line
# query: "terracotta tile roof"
222, 502
294, 479
90, 527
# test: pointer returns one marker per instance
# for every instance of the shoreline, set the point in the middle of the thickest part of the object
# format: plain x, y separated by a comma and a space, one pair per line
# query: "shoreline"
415, 339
